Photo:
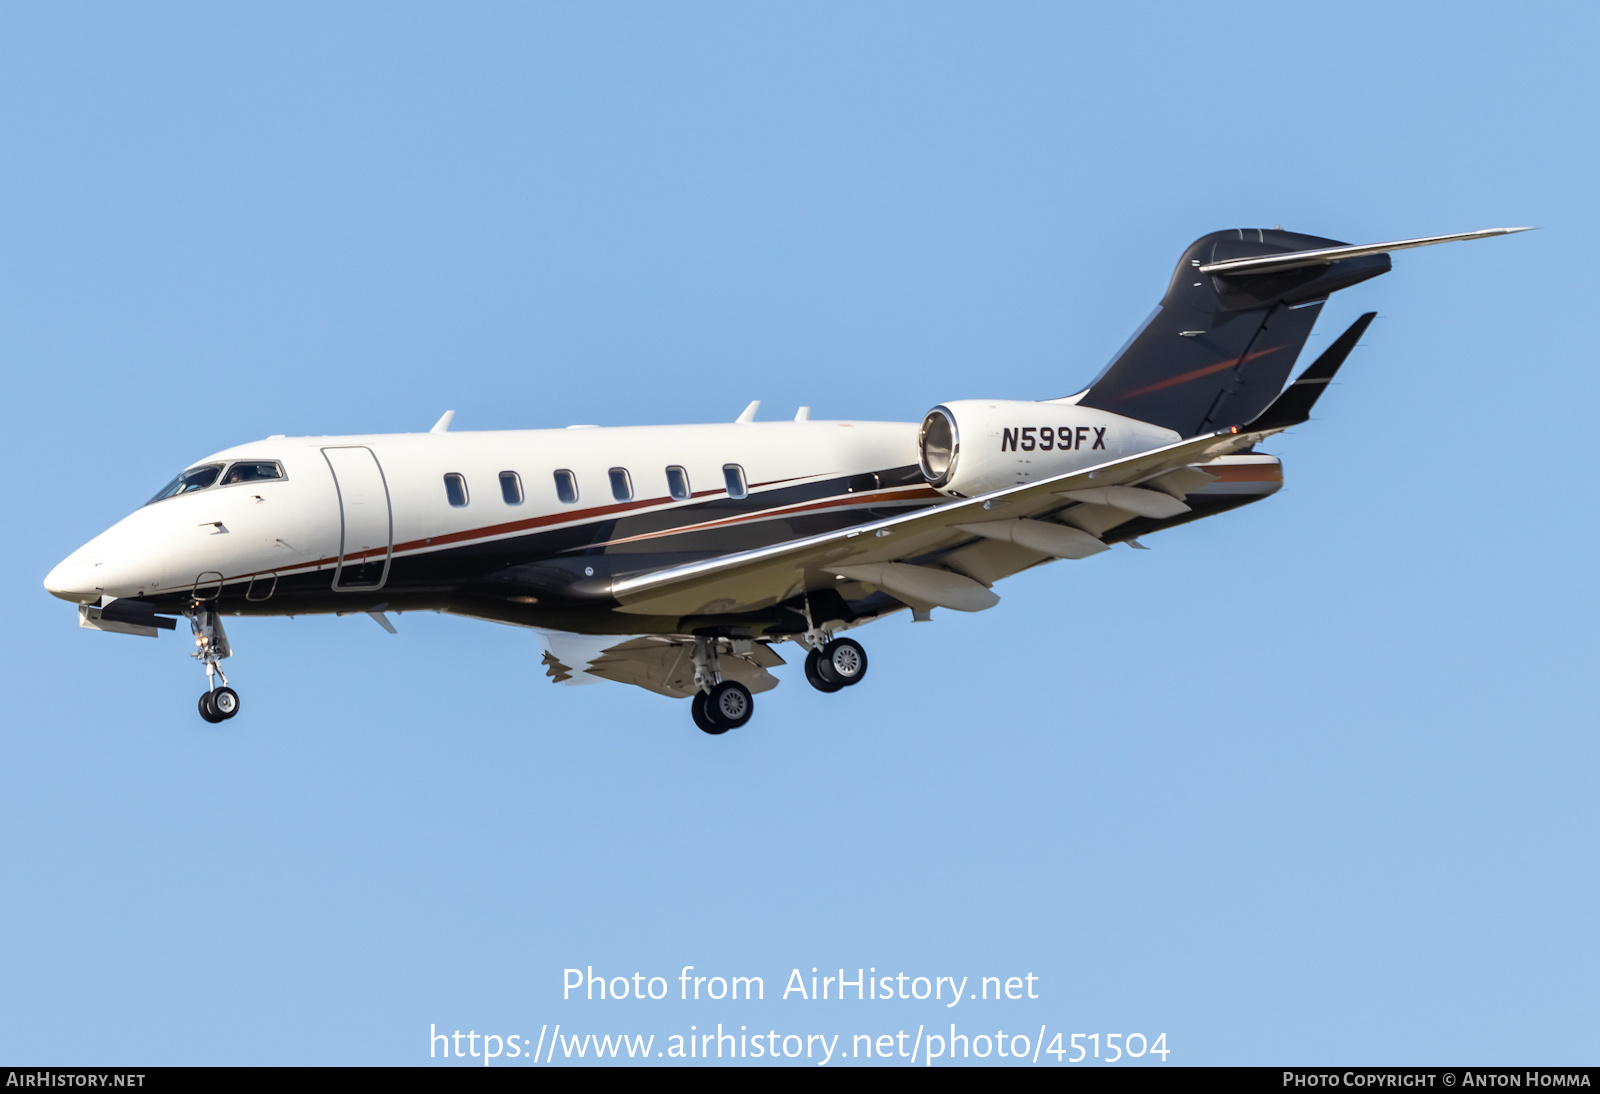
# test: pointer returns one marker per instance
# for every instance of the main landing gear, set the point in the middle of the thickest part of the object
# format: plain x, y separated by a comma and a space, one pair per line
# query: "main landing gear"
838, 664
718, 705
726, 706
217, 703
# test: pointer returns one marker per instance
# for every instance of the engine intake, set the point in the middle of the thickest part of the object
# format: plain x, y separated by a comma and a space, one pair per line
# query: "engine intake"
938, 446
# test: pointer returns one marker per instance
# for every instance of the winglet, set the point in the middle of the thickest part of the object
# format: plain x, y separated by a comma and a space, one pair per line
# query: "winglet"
443, 424
749, 414
1293, 405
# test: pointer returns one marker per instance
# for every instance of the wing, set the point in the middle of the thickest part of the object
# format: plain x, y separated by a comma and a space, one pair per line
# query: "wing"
910, 557
662, 665
567, 656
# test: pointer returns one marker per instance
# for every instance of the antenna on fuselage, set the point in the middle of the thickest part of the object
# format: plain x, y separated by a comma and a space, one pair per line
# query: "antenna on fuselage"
749, 414
443, 424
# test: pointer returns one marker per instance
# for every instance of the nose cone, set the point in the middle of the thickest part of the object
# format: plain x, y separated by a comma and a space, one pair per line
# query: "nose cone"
74, 579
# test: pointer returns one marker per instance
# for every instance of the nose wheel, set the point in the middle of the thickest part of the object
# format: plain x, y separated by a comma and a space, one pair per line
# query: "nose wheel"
219, 704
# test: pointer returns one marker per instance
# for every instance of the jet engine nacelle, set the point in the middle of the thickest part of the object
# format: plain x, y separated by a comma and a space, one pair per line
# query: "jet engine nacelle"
972, 446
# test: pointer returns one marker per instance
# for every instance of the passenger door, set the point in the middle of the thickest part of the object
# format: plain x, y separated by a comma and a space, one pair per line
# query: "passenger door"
366, 524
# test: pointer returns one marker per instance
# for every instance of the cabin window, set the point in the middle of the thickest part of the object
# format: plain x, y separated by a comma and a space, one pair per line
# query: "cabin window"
678, 483
455, 489
733, 475
187, 482
511, 487
621, 484
253, 471
566, 487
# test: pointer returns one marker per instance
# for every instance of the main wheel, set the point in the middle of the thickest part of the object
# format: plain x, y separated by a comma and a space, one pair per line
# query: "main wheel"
730, 704
814, 674
697, 710
207, 710
843, 662
225, 701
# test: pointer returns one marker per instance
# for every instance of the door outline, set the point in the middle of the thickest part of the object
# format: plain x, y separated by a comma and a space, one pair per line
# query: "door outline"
268, 581
338, 488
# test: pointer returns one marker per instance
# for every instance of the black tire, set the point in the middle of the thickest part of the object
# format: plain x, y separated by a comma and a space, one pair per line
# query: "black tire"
843, 662
207, 711
697, 710
225, 701
730, 704
814, 677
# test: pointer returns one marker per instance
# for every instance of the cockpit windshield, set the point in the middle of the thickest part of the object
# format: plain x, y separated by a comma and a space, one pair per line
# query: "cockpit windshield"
196, 478
252, 471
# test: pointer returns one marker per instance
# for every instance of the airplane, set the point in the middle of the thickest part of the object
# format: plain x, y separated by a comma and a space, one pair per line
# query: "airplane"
676, 558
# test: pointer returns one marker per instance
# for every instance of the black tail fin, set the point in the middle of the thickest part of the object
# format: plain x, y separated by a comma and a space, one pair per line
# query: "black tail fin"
1294, 405
1219, 348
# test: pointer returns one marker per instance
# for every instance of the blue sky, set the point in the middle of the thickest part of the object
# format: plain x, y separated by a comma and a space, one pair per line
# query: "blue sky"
1311, 782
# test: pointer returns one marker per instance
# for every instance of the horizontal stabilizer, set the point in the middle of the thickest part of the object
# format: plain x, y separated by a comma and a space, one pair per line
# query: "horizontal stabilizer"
1294, 406
1294, 260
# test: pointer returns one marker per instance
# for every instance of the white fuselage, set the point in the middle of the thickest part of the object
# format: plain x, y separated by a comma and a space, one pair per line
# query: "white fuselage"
427, 519
294, 525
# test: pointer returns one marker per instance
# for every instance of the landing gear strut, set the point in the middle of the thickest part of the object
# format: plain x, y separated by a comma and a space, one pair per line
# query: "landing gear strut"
718, 705
218, 703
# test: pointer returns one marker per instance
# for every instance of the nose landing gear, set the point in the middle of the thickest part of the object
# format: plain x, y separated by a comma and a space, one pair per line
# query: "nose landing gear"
217, 704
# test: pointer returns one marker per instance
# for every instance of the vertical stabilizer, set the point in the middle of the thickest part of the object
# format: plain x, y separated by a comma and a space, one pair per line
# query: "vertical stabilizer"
1220, 346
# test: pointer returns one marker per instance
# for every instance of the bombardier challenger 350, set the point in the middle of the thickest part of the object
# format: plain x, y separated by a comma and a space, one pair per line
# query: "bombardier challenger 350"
678, 557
